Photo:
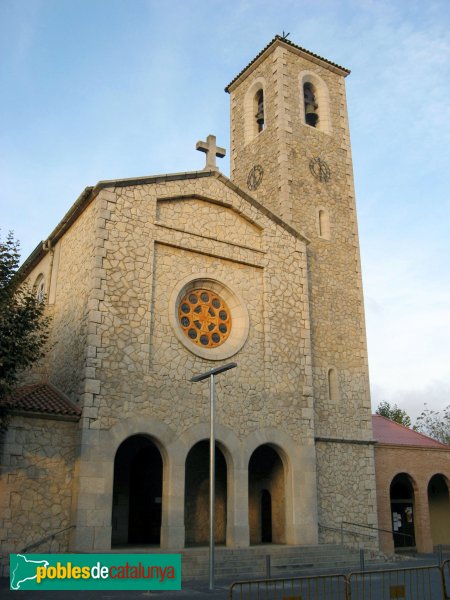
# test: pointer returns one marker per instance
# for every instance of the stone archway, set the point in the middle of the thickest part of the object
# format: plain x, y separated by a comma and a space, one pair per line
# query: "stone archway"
403, 511
137, 492
439, 506
266, 496
196, 499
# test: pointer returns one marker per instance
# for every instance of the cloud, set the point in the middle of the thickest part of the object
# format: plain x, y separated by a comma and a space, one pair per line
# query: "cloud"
436, 395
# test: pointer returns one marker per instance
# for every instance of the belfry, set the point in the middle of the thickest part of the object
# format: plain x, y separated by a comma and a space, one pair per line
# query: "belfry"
153, 279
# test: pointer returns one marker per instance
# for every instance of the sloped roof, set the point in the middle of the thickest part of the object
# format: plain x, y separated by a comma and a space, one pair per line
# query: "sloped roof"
89, 193
279, 40
42, 398
386, 431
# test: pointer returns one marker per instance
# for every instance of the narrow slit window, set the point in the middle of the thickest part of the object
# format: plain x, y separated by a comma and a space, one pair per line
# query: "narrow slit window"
332, 385
324, 224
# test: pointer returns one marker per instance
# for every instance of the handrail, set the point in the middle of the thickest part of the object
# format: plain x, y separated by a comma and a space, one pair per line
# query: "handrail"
375, 529
338, 529
45, 539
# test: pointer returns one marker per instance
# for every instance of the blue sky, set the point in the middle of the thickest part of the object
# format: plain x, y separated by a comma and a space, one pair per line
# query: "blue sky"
104, 89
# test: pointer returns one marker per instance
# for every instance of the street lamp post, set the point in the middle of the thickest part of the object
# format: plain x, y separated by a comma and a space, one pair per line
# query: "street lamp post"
212, 459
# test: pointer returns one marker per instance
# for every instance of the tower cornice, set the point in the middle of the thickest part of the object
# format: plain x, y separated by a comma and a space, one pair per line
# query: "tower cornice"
285, 43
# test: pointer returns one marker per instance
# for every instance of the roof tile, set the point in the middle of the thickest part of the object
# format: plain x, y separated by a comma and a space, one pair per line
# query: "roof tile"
41, 398
289, 43
386, 431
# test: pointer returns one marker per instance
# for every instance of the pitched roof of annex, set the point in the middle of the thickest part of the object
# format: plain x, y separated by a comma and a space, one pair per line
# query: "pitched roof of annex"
387, 432
278, 40
42, 399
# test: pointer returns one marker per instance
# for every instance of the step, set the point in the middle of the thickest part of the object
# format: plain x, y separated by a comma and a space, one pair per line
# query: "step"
251, 562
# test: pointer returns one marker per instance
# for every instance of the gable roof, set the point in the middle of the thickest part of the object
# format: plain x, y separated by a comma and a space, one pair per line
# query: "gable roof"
42, 399
90, 193
278, 40
386, 431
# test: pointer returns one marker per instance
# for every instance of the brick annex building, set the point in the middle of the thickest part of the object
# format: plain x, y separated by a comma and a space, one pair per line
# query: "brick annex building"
413, 475
154, 279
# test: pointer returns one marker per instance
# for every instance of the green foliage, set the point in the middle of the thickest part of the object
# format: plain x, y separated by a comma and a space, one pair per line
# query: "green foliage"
394, 413
23, 326
435, 424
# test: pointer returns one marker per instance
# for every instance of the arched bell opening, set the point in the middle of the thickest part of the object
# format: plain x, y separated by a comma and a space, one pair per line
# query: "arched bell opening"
311, 104
259, 108
137, 493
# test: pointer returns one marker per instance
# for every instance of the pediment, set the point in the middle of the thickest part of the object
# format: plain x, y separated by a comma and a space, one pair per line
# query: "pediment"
208, 218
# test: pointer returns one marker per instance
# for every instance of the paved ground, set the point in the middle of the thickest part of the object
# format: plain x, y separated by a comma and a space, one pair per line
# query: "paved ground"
191, 589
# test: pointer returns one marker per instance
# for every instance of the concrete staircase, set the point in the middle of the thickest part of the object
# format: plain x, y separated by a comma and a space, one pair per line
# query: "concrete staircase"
250, 563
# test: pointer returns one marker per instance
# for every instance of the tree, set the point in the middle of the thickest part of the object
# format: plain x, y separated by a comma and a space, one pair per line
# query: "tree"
434, 424
394, 413
23, 326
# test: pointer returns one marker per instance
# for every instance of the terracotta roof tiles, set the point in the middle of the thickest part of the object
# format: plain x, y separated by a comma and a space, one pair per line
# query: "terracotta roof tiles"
386, 431
279, 38
41, 398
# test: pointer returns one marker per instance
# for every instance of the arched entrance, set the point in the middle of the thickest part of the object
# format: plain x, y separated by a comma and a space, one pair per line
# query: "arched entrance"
266, 496
137, 492
196, 499
439, 505
402, 511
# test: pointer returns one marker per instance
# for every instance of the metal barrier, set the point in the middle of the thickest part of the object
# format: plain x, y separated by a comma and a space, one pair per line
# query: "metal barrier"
445, 568
418, 583
326, 587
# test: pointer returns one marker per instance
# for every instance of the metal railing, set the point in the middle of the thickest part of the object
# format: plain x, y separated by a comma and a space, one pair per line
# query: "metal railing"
407, 535
417, 583
445, 569
47, 538
340, 530
333, 587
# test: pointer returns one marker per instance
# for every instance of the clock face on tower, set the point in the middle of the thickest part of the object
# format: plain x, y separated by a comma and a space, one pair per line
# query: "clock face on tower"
320, 169
255, 177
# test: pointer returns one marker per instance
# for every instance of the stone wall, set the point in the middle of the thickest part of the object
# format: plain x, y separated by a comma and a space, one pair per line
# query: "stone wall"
141, 366
285, 149
346, 491
153, 243
69, 270
296, 302
37, 458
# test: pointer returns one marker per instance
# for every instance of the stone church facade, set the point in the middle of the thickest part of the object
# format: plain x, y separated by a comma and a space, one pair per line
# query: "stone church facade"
154, 279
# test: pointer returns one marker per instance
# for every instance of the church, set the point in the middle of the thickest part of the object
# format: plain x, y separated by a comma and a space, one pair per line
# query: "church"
154, 279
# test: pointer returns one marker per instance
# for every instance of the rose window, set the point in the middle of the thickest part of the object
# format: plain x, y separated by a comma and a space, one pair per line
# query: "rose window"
204, 318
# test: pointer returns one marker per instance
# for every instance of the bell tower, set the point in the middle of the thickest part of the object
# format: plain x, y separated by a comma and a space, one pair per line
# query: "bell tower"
298, 164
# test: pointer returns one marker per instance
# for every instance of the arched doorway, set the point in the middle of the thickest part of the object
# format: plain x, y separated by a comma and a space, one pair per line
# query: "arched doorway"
196, 499
266, 496
403, 511
137, 492
439, 505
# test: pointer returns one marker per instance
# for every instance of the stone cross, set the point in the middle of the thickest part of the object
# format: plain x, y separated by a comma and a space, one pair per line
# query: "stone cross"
211, 150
